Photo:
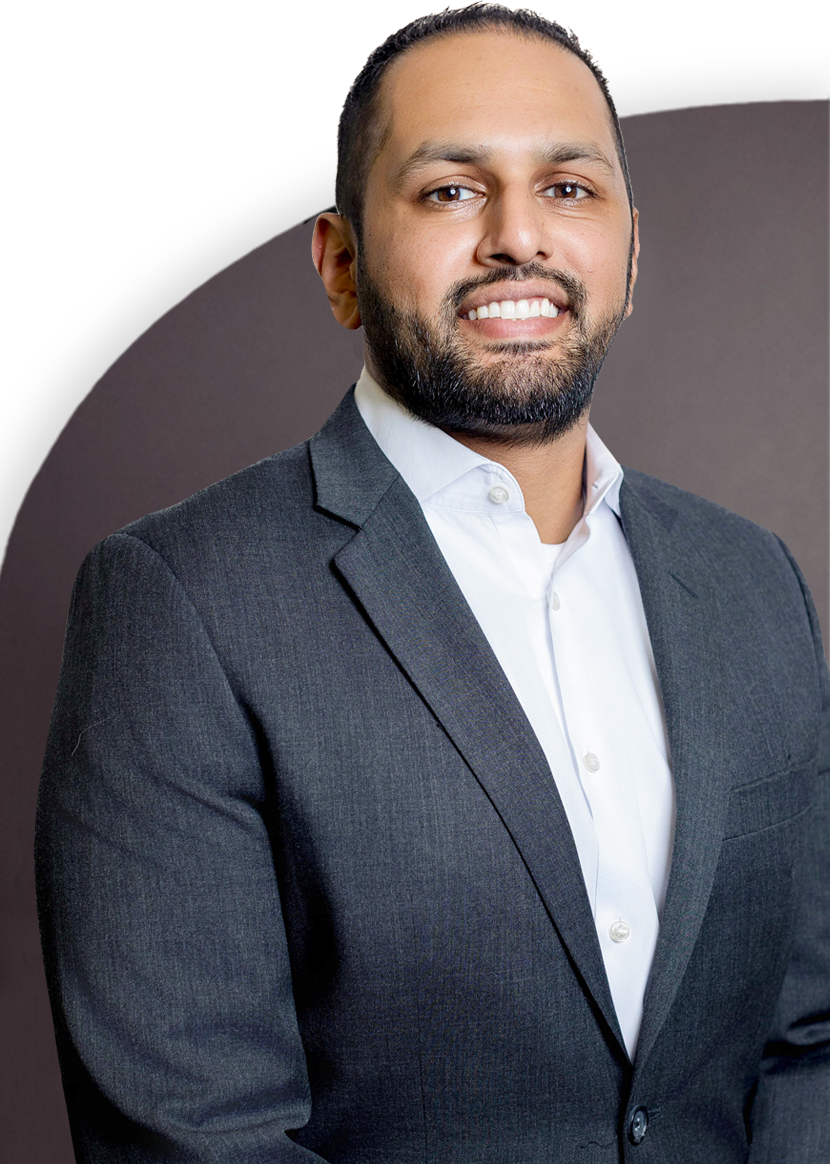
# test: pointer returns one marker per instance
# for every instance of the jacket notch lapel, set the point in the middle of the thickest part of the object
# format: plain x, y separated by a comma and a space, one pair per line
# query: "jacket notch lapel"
680, 613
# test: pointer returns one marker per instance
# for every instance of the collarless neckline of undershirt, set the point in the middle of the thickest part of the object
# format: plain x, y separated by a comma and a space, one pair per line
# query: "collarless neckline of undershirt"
551, 550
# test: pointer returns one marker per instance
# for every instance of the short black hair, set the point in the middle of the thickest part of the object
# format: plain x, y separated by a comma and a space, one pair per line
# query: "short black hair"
360, 134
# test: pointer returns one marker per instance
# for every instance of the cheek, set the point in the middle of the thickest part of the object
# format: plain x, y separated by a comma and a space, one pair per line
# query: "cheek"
419, 268
590, 251
599, 259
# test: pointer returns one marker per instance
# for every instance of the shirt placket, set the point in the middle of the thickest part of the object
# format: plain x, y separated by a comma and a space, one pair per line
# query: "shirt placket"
622, 898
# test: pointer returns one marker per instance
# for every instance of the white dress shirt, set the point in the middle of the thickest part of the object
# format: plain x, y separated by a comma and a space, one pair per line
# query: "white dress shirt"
567, 626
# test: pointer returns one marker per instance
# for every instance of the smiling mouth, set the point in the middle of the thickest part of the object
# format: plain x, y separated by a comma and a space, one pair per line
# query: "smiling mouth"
514, 309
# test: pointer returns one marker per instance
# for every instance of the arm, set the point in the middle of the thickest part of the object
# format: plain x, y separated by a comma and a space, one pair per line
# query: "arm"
791, 1112
163, 937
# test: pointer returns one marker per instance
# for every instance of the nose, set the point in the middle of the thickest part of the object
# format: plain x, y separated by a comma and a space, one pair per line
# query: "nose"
515, 231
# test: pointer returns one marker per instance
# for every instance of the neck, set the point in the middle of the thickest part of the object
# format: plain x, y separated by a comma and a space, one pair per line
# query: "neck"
549, 475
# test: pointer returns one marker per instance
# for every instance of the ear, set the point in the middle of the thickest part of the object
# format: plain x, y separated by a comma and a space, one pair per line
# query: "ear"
635, 219
334, 251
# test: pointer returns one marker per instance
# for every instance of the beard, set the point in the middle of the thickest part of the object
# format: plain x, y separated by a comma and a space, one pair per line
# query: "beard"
522, 396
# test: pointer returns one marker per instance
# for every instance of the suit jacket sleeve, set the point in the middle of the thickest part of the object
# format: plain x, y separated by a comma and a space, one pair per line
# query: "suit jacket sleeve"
163, 936
791, 1112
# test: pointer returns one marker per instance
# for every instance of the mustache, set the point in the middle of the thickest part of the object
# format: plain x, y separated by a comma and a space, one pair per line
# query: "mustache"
573, 288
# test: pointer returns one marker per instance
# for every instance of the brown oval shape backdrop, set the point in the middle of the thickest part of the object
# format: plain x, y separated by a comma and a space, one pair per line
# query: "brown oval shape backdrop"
718, 383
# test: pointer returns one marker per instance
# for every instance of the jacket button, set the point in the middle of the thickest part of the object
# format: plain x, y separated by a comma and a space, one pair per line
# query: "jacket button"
638, 1126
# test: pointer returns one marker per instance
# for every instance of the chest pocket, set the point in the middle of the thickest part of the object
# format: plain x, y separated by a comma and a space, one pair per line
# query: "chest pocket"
770, 801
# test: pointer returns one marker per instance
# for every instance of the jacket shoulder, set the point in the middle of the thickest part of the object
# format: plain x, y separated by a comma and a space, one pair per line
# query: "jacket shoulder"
744, 562
691, 515
273, 496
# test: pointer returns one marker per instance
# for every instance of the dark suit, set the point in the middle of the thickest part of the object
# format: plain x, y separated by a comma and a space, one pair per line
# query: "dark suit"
308, 890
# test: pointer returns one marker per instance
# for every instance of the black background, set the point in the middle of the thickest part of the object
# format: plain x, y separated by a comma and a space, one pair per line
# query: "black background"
139, 165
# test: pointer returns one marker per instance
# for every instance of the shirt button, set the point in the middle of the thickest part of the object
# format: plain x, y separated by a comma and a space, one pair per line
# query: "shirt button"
590, 761
555, 603
638, 1126
619, 931
498, 495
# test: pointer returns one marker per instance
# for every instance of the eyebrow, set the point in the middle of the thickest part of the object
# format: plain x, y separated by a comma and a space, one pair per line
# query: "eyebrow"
429, 152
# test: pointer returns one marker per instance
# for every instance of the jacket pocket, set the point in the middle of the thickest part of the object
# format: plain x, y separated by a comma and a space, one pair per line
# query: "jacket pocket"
769, 801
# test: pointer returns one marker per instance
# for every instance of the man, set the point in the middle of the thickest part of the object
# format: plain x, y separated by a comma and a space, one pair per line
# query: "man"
437, 791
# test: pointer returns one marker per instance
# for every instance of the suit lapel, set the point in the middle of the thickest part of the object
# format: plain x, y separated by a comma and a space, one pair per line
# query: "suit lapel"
394, 569
681, 612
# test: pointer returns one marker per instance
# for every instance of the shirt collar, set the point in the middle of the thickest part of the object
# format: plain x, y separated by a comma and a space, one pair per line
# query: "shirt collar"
430, 461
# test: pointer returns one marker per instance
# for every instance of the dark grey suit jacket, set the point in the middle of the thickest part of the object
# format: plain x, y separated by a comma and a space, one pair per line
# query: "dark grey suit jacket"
307, 887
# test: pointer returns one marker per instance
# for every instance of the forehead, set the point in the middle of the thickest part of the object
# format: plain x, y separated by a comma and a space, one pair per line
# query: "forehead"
509, 87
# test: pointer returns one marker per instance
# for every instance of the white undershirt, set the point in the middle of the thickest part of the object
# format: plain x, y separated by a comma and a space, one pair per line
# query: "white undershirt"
567, 625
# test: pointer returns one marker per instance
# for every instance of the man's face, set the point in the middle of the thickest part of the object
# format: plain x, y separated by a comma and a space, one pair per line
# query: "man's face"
497, 182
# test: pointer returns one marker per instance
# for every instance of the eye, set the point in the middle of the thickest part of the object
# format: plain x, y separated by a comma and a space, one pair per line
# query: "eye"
569, 191
450, 194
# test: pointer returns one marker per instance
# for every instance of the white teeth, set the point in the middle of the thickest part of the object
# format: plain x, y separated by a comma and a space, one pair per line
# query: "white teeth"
515, 309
